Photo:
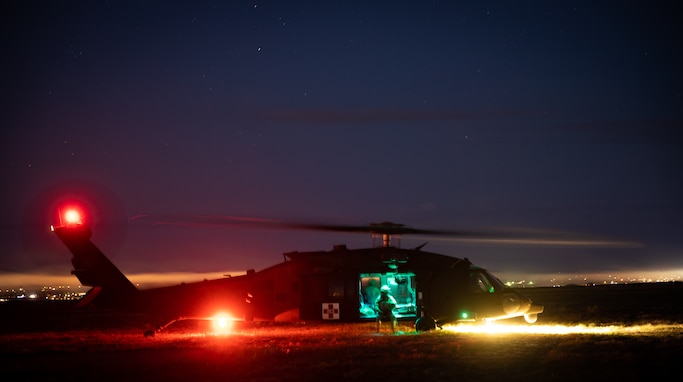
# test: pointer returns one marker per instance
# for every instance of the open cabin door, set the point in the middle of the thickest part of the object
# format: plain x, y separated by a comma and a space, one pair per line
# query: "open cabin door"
401, 286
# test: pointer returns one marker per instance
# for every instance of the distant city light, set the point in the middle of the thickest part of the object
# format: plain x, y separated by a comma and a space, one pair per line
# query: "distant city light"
47, 293
564, 279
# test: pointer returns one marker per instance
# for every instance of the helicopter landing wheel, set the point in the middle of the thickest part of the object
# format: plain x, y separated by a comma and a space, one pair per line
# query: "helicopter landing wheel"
530, 318
425, 324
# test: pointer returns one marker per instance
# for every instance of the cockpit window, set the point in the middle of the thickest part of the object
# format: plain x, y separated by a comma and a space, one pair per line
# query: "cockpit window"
480, 283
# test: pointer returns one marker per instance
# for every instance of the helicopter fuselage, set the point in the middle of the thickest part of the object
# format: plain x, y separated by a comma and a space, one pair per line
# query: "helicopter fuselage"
336, 285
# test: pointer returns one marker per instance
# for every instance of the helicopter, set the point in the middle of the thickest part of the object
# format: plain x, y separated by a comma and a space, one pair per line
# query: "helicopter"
430, 289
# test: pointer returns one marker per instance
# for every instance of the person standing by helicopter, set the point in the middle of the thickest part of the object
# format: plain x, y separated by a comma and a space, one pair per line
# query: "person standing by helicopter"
385, 305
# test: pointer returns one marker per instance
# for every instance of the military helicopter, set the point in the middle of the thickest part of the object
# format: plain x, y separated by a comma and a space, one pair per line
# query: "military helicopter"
431, 289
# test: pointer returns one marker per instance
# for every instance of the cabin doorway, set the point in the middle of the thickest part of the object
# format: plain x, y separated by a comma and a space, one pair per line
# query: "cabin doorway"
401, 286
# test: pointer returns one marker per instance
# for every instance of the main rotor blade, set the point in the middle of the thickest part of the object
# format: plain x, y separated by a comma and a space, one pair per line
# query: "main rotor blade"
251, 222
558, 239
501, 236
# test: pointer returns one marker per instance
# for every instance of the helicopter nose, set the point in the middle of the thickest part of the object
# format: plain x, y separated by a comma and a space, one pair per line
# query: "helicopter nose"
511, 303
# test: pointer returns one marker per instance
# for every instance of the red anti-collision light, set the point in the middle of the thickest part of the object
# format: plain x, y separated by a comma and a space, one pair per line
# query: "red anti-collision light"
72, 217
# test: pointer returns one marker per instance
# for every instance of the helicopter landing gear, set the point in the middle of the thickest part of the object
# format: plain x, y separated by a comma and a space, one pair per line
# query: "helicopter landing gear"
425, 324
530, 318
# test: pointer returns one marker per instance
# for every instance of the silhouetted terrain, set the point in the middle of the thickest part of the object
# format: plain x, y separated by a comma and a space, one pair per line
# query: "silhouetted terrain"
619, 303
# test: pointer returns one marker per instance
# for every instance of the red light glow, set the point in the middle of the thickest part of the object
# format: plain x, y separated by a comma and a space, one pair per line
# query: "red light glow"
72, 216
222, 323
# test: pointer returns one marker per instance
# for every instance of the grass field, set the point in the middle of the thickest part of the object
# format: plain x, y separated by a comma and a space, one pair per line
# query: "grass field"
621, 333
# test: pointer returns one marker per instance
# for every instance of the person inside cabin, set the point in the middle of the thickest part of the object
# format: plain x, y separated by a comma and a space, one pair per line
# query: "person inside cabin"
385, 308
371, 293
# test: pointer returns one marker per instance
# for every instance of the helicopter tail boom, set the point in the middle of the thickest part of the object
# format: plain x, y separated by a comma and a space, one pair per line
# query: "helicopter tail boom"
93, 268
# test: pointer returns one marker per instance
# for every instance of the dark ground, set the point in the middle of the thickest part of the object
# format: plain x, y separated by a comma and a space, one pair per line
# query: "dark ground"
54, 342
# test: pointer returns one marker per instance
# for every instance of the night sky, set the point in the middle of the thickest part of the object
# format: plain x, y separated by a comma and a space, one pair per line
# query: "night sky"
562, 116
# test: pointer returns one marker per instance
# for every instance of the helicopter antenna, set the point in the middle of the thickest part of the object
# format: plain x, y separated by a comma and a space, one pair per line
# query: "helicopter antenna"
419, 247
